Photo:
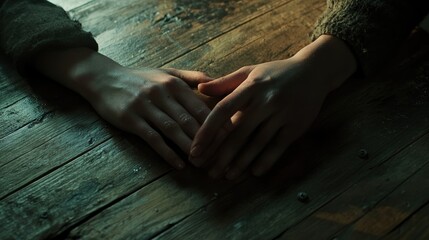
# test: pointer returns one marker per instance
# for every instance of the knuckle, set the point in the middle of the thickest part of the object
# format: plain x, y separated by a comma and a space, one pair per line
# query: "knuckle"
151, 136
185, 119
171, 82
169, 126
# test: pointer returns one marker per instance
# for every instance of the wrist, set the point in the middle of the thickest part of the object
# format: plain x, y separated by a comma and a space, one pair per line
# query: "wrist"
79, 69
331, 59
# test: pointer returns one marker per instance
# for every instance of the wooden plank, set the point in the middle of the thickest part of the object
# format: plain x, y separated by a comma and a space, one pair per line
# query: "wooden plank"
11, 98
74, 192
20, 114
397, 206
365, 207
77, 140
173, 28
10, 83
276, 35
39, 132
416, 227
154, 208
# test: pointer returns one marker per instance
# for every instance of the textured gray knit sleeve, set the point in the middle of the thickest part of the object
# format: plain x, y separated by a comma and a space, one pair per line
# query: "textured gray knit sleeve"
28, 27
373, 29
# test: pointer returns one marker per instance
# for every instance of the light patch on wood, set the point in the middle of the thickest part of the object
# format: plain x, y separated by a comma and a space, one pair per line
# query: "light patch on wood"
345, 217
380, 220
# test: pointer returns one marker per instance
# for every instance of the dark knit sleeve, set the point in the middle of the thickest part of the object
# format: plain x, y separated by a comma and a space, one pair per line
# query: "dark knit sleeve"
373, 29
28, 27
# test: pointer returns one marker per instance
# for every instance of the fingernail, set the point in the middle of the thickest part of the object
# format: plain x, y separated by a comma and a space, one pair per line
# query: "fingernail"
196, 151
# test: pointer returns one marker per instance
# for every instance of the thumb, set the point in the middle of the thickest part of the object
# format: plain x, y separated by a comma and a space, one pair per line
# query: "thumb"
224, 85
192, 78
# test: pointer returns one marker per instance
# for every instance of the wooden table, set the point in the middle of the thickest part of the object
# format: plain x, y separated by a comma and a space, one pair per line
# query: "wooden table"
66, 173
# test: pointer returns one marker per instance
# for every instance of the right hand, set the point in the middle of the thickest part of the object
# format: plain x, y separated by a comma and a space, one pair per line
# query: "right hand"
147, 102
151, 102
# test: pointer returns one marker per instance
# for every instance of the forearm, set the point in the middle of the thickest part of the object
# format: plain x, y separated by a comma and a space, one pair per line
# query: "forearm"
75, 68
331, 59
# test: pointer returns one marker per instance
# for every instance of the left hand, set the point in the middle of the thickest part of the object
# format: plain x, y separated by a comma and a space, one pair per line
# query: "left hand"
269, 105
272, 105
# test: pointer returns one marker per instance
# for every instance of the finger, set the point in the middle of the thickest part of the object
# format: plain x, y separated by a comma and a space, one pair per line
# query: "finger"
273, 151
261, 138
219, 118
197, 108
179, 114
225, 85
166, 125
249, 122
222, 133
192, 78
207, 159
155, 140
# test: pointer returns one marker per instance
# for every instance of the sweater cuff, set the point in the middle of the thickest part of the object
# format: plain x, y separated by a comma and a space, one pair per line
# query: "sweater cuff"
373, 29
30, 27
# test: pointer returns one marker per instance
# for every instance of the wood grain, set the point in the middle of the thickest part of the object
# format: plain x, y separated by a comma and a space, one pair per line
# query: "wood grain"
354, 215
64, 173
66, 196
407, 198
49, 122
415, 227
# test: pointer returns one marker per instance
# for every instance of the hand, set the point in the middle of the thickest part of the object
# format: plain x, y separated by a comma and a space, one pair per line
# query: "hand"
146, 102
151, 102
270, 105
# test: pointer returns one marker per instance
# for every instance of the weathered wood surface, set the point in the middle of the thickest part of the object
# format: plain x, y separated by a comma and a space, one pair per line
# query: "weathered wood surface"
65, 173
